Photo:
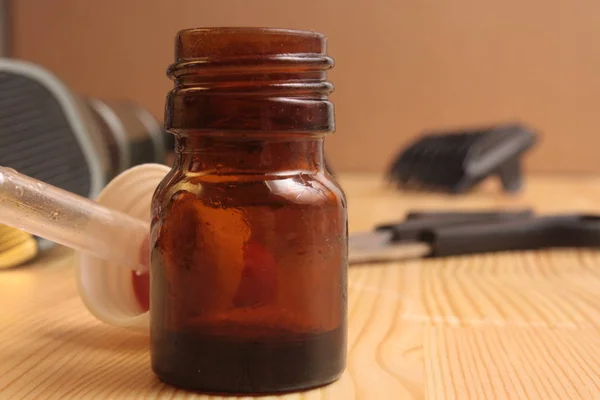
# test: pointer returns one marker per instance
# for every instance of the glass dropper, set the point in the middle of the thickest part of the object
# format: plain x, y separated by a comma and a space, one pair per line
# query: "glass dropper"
74, 221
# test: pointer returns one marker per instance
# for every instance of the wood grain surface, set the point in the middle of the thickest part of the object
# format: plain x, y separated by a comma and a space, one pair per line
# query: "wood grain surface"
521, 325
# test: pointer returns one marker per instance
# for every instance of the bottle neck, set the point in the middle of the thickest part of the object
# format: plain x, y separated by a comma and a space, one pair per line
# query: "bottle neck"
250, 80
224, 154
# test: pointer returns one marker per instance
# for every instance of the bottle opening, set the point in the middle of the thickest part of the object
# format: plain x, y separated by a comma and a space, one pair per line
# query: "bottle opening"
197, 43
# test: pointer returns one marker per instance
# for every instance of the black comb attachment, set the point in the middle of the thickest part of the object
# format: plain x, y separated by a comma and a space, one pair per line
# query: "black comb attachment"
456, 161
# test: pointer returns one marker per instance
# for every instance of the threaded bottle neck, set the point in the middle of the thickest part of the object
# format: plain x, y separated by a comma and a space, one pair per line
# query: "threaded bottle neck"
250, 80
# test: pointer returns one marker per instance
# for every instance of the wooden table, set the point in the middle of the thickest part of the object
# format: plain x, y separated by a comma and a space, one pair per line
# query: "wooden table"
498, 326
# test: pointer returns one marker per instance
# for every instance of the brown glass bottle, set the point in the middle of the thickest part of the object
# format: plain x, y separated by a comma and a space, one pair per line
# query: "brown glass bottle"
249, 230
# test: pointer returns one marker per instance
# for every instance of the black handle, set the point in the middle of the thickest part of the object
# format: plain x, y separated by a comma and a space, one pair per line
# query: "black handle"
470, 215
417, 223
516, 234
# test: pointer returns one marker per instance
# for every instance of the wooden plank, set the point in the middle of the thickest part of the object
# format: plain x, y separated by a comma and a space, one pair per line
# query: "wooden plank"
513, 325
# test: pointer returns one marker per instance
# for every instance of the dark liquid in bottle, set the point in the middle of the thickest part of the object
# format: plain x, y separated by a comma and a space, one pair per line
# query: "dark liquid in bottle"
249, 362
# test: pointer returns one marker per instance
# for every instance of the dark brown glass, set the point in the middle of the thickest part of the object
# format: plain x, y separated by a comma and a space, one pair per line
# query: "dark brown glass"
249, 230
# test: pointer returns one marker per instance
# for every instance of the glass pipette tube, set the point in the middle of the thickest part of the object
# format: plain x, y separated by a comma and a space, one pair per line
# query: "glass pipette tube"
74, 221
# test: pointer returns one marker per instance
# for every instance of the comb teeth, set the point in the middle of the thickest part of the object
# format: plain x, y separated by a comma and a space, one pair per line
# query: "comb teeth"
36, 138
458, 160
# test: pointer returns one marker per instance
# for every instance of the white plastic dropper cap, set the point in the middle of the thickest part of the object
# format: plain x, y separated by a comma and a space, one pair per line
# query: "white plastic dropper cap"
107, 289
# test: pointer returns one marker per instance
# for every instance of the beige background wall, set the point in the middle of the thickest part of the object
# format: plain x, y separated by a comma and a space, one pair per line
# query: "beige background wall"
402, 66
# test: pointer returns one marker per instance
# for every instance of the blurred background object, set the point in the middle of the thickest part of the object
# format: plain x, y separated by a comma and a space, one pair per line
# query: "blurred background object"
132, 135
5, 27
16, 247
457, 161
402, 67
75, 143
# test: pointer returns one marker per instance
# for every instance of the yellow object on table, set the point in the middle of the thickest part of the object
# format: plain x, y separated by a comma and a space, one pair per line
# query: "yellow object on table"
16, 247
520, 325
